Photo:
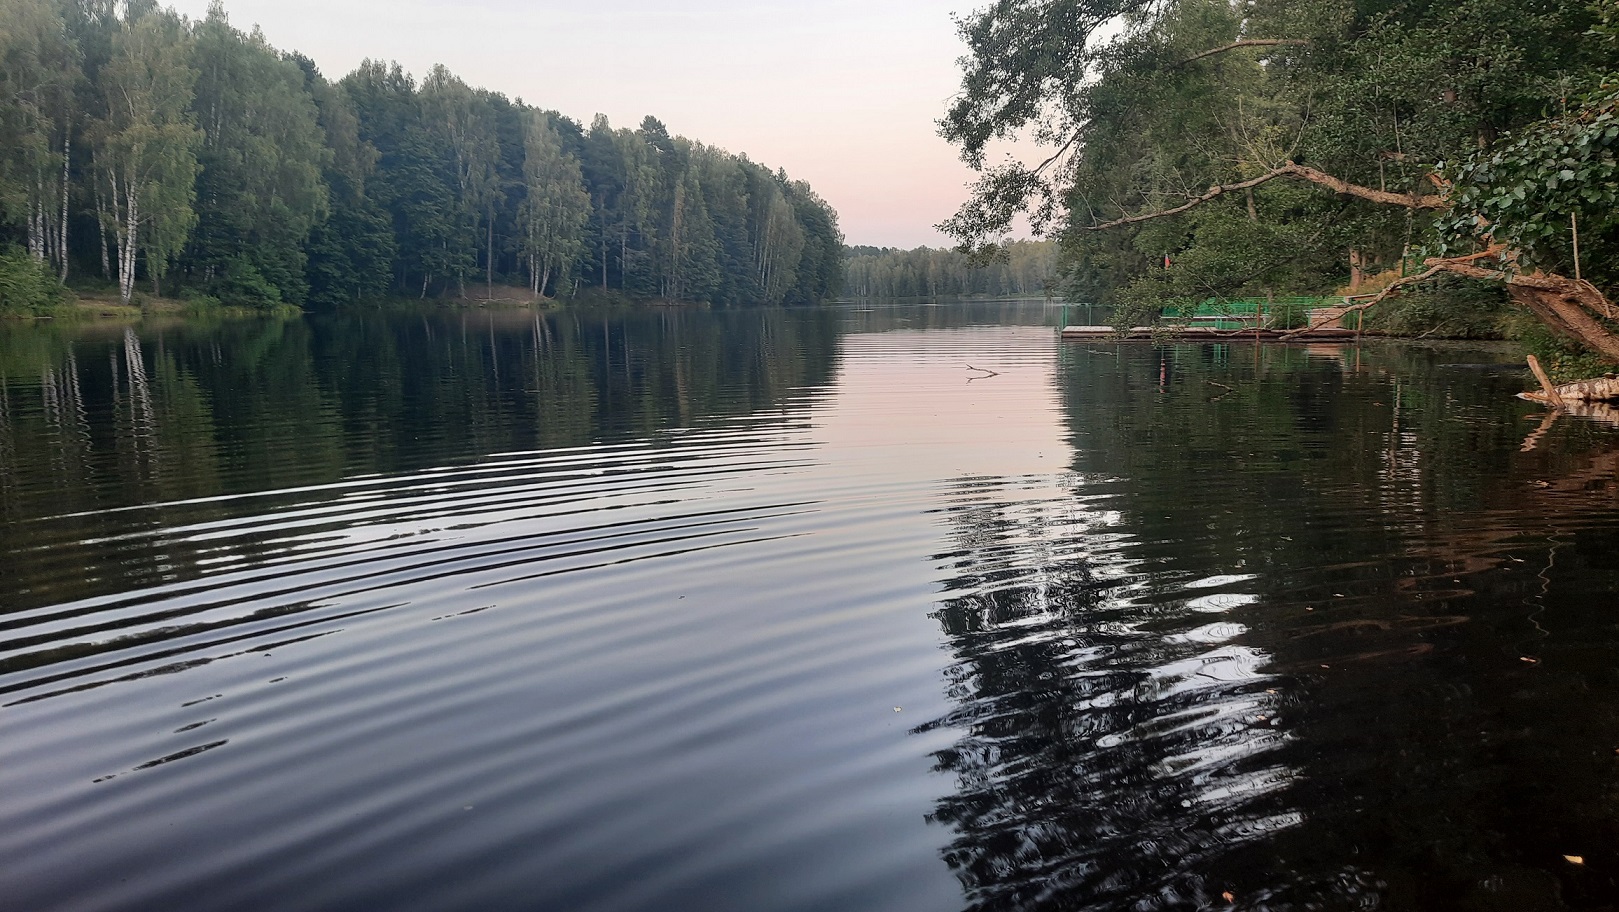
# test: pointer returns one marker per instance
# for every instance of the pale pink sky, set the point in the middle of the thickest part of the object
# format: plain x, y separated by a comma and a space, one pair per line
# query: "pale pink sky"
841, 93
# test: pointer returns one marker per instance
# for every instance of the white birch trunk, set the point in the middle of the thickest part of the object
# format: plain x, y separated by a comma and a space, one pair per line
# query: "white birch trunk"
36, 223
61, 228
126, 255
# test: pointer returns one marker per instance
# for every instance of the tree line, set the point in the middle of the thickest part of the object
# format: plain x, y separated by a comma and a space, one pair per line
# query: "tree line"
1195, 148
151, 151
1017, 268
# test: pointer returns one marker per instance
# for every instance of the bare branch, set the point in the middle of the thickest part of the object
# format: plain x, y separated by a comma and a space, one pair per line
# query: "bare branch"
1248, 42
1321, 178
1067, 145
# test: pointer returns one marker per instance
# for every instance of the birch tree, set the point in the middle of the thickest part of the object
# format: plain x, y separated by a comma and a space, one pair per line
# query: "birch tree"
691, 267
261, 188
638, 162
556, 207
778, 243
463, 118
39, 70
146, 144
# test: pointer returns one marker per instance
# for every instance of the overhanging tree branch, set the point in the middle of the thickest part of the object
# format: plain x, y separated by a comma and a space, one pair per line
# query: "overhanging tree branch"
1246, 43
1321, 178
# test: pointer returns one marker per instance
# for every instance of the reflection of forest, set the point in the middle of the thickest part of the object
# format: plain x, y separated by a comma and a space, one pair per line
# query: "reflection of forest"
1338, 643
1110, 728
888, 317
93, 418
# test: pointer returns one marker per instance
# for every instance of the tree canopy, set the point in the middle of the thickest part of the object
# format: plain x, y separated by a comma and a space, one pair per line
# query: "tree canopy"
1019, 268
1198, 148
139, 146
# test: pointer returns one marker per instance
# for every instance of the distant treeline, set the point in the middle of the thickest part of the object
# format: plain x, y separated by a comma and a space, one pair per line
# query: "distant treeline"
161, 153
1022, 268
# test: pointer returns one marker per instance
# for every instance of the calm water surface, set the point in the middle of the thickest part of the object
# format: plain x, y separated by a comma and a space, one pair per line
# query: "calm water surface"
795, 611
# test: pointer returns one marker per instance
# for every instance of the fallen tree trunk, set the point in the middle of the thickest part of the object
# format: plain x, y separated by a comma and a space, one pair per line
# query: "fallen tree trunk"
1566, 306
1599, 389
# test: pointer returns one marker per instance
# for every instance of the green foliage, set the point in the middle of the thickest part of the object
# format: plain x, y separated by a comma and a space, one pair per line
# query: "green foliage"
1017, 268
1606, 27
26, 285
820, 267
199, 303
192, 152
1563, 361
261, 186
1529, 190
351, 255
1143, 106
241, 284
1450, 308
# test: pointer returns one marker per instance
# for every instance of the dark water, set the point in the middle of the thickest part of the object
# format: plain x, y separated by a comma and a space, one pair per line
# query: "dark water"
792, 610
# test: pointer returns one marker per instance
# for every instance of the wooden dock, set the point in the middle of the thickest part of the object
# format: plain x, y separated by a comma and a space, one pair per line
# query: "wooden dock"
1207, 334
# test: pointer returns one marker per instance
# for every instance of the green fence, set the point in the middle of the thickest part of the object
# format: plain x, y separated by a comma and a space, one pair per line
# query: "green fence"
1242, 313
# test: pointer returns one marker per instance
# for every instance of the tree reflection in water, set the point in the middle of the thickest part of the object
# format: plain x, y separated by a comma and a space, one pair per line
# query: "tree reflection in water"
1115, 734
1333, 639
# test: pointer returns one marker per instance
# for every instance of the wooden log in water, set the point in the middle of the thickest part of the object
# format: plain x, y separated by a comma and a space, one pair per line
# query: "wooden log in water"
1597, 389
1546, 388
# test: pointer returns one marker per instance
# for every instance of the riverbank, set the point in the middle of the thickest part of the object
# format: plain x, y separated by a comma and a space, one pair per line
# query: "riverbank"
95, 305
107, 306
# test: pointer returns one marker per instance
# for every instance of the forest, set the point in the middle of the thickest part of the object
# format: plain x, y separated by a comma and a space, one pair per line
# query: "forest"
1017, 269
144, 153
1454, 155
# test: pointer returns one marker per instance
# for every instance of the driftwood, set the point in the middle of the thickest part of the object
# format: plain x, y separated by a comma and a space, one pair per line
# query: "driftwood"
1580, 392
1590, 399
1550, 392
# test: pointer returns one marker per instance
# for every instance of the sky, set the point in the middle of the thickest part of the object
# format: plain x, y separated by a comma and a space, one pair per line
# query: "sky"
841, 93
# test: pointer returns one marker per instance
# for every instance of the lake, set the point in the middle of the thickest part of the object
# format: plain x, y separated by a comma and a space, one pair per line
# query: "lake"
854, 608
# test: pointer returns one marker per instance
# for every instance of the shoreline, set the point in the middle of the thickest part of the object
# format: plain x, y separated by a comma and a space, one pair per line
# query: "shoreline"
99, 307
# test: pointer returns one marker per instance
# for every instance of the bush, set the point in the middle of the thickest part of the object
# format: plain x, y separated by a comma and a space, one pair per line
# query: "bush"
26, 286
242, 285
198, 301
1563, 360
1449, 308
